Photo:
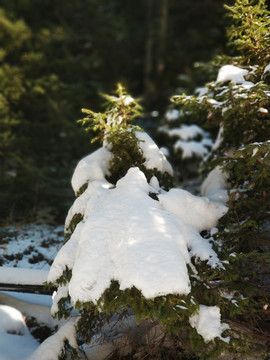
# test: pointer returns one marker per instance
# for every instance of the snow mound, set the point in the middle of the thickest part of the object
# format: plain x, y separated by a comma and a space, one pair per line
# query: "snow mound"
266, 69
215, 186
129, 237
199, 212
96, 165
185, 132
190, 148
207, 323
11, 321
172, 115
155, 158
232, 73
16, 342
92, 167
51, 348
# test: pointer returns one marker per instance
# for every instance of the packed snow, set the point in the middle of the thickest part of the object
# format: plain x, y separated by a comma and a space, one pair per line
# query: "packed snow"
266, 69
22, 276
172, 115
32, 246
207, 323
232, 73
155, 158
16, 342
51, 348
127, 236
186, 142
215, 186
93, 166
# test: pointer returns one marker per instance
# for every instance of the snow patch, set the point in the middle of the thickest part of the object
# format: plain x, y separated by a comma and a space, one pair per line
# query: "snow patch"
52, 347
215, 186
16, 342
155, 158
92, 167
207, 323
232, 73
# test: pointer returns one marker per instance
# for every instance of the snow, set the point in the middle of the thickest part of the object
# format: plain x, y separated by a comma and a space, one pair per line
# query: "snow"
172, 115
263, 110
129, 237
201, 91
22, 276
232, 73
186, 132
198, 212
215, 186
20, 246
195, 214
207, 323
32, 246
51, 348
96, 165
16, 342
92, 167
155, 158
190, 148
266, 69
11, 321
125, 235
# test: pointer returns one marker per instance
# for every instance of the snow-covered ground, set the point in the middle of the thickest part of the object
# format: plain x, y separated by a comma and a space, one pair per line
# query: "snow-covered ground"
34, 247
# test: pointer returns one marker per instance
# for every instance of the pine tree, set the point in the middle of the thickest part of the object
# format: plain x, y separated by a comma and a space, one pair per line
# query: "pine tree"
169, 300
238, 102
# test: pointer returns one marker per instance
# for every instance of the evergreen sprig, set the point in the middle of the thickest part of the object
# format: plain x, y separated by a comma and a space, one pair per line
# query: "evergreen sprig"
249, 33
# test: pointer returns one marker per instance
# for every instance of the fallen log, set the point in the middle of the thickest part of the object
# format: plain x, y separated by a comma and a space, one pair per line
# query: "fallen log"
31, 289
24, 280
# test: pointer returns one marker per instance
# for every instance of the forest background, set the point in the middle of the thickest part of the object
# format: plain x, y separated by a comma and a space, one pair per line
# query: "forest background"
57, 56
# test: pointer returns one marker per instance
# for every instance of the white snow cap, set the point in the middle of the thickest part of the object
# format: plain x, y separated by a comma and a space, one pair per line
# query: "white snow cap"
199, 212
155, 158
172, 115
194, 214
11, 321
186, 132
129, 237
266, 69
192, 148
207, 323
232, 73
52, 347
215, 186
16, 342
92, 167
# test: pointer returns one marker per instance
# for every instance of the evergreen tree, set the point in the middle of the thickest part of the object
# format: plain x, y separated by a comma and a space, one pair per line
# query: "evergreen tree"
134, 249
238, 102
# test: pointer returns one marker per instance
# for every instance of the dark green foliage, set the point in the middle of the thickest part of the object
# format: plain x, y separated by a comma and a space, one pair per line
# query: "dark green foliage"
242, 239
115, 128
170, 313
249, 33
56, 56
35, 132
72, 225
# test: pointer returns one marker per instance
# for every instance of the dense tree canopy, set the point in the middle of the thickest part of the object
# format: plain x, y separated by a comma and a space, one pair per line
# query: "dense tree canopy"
56, 56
